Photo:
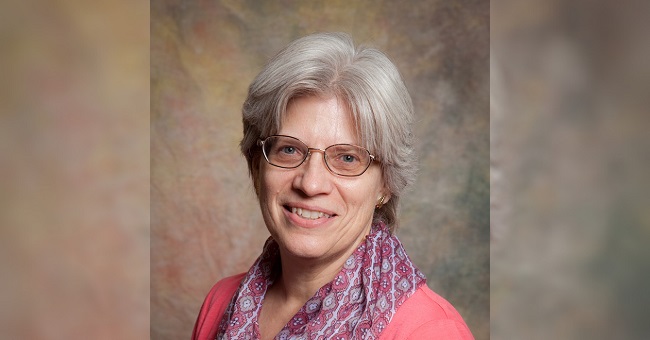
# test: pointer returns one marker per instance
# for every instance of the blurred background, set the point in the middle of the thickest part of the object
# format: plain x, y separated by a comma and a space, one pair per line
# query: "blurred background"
570, 217
569, 223
205, 220
74, 169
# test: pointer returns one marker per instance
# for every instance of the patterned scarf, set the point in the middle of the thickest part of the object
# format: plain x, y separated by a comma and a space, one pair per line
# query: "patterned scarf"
358, 304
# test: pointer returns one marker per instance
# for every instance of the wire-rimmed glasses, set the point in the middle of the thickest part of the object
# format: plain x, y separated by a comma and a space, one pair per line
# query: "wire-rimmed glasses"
341, 159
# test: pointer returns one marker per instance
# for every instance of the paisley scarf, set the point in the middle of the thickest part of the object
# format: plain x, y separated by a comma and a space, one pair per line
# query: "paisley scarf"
357, 304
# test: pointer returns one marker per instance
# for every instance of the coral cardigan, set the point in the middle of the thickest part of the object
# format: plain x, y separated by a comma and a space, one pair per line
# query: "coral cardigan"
425, 315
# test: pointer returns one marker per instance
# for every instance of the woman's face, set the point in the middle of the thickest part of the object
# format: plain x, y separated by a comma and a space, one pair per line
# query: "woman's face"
347, 203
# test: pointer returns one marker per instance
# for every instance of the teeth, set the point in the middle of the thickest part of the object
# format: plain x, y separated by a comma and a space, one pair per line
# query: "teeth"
312, 215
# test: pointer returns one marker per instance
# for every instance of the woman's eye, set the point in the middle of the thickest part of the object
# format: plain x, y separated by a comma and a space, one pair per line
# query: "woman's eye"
288, 150
348, 158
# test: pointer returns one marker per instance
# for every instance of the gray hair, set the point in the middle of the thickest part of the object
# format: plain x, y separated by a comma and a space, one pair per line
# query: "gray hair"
364, 78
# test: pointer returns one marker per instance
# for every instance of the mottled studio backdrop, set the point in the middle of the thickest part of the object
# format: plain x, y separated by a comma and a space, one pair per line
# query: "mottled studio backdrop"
205, 222
570, 162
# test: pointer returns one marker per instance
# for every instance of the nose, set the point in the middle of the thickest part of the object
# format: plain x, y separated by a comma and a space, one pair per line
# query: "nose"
313, 177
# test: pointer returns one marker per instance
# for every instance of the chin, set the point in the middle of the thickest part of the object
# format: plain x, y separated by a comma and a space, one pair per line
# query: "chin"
307, 249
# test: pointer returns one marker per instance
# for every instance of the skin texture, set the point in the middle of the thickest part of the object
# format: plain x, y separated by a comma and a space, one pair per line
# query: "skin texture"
313, 251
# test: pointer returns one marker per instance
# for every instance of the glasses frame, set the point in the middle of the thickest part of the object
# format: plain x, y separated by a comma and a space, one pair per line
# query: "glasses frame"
260, 142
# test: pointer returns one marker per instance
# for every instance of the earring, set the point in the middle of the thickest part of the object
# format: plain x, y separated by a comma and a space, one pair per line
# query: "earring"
381, 202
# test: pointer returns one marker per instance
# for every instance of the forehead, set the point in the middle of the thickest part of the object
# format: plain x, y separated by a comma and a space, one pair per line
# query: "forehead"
319, 121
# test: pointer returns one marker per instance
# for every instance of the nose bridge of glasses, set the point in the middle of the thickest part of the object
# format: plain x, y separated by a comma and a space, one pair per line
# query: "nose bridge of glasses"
309, 152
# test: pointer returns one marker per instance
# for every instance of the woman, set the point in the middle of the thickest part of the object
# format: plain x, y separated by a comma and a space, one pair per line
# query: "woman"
327, 137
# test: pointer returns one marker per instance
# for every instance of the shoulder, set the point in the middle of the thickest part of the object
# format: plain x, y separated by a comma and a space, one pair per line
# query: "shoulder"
427, 315
214, 306
226, 286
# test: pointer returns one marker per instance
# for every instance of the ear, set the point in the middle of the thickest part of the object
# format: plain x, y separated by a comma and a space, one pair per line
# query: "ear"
386, 196
385, 192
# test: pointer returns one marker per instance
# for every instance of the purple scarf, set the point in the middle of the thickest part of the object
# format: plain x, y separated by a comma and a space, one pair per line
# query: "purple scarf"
358, 304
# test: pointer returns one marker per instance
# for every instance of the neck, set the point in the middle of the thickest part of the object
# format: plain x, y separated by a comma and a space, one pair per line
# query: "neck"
300, 278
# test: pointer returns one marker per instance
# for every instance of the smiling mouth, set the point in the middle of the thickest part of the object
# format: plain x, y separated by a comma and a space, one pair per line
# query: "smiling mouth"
307, 214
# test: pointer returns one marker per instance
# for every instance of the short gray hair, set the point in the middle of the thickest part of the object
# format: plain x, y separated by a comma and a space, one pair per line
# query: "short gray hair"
364, 78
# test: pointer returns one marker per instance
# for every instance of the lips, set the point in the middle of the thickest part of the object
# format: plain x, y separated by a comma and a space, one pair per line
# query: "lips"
307, 213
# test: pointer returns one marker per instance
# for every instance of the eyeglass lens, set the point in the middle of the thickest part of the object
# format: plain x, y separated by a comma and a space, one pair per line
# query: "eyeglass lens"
290, 152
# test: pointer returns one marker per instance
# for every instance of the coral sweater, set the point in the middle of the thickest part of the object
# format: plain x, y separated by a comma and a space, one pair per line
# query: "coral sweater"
425, 315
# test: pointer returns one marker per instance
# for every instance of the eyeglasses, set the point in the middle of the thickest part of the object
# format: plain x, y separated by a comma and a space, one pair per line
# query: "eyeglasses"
341, 159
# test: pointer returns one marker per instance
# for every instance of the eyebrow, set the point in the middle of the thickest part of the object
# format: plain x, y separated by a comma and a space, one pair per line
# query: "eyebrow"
278, 133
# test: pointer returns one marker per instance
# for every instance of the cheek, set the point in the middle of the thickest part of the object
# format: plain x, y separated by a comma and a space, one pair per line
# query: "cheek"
271, 181
362, 194
265, 185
